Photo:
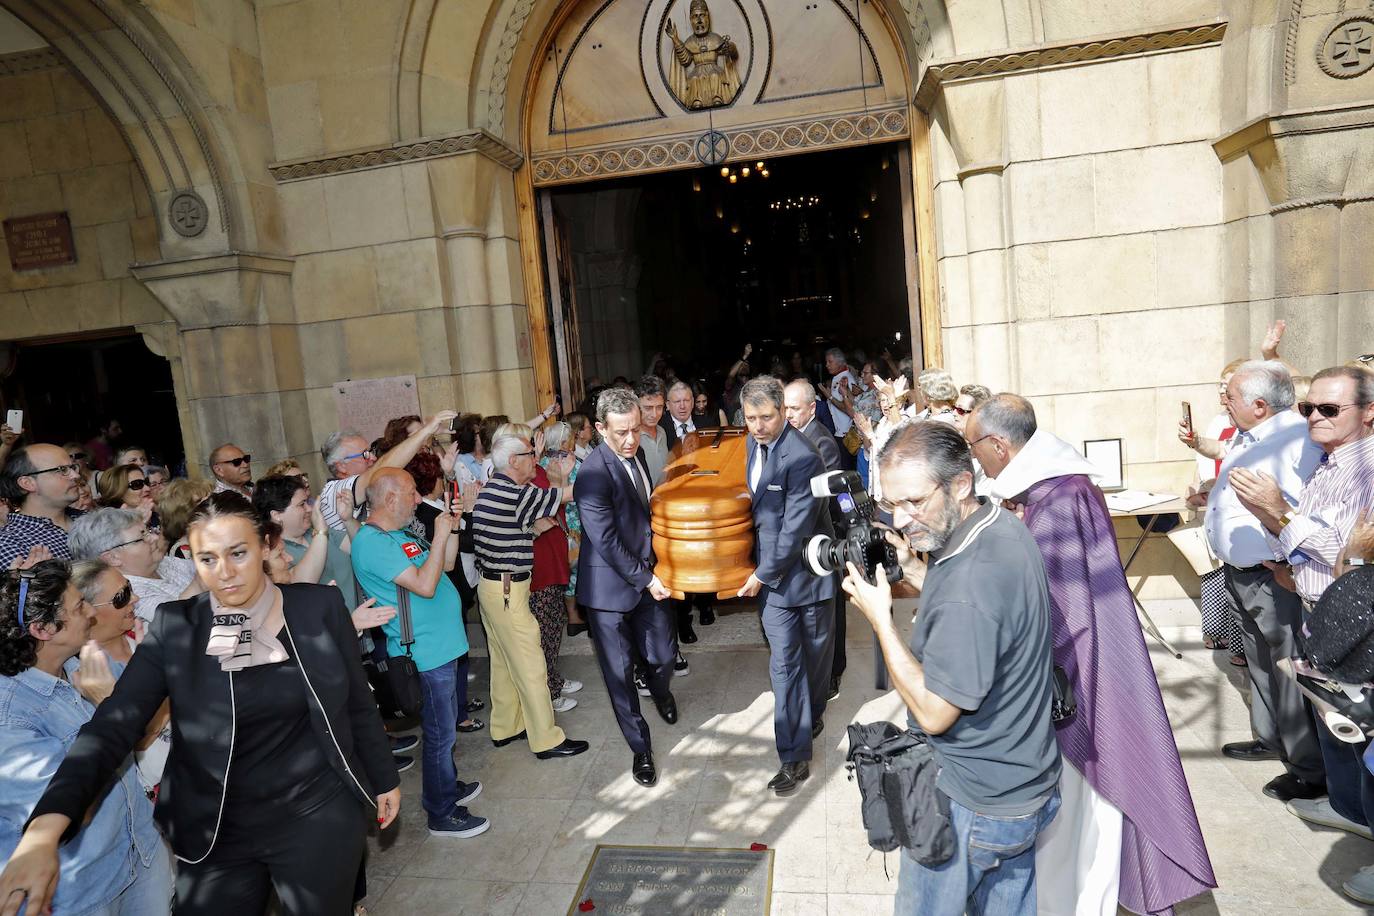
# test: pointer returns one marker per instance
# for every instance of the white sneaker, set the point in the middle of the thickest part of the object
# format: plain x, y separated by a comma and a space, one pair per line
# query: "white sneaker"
1319, 811
563, 704
571, 686
1360, 886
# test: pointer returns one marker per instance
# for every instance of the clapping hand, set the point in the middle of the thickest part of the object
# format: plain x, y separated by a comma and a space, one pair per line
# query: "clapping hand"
865, 428
343, 502
1269, 348
467, 497
37, 554
538, 445
368, 615
93, 678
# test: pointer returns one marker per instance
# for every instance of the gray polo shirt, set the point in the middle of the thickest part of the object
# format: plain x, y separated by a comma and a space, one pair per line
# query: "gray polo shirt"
983, 637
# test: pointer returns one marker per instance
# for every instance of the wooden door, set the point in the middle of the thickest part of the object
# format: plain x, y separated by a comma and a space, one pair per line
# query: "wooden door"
562, 303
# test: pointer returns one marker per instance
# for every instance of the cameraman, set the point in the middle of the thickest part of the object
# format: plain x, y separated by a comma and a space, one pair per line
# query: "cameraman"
976, 678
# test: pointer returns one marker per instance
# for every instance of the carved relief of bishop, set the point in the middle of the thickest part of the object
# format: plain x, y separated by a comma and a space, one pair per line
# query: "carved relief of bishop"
702, 72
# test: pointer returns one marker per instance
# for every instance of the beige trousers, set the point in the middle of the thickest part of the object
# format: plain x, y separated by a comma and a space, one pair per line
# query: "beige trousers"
519, 679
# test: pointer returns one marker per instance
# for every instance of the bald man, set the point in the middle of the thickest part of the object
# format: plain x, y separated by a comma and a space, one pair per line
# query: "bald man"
386, 560
233, 470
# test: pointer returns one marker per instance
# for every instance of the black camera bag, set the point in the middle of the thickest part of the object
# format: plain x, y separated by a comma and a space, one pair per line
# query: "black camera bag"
902, 807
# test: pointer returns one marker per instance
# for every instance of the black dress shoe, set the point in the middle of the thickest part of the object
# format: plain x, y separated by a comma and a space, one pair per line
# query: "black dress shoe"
667, 708
569, 748
502, 742
834, 689
789, 776
707, 615
1288, 787
1249, 750
685, 633
817, 727
576, 629
644, 770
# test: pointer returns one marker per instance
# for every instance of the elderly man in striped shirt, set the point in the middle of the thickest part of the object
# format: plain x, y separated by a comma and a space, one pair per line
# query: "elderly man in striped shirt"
510, 512
1340, 419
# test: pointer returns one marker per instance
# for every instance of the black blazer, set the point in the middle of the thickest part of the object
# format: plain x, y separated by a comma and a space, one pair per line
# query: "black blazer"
171, 664
617, 559
786, 517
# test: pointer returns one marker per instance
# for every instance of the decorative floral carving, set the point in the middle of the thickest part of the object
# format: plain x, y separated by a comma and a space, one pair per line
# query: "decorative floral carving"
472, 141
816, 133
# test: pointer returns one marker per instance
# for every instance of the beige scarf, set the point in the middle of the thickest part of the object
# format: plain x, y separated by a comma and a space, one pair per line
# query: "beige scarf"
244, 637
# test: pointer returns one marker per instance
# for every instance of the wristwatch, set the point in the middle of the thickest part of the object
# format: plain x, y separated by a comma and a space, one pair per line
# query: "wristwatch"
1286, 518
1357, 561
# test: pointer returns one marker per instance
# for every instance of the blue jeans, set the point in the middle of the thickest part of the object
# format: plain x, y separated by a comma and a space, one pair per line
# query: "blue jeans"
438, 718
992, 870
1349, 784
151, 891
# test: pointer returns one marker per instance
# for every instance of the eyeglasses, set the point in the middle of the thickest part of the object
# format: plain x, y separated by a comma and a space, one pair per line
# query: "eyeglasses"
120, 600
523, 454
139, 484
65, 470
963, 411
365, 453
1367, 359
242, 459
1330, 411
141, 539
980, 438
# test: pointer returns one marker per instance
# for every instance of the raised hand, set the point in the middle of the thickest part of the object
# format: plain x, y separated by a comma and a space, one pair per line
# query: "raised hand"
37, 554
1269, 348
343, 502
94, 678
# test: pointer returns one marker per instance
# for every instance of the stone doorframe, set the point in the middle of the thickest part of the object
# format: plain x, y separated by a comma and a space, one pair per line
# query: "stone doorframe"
656, 154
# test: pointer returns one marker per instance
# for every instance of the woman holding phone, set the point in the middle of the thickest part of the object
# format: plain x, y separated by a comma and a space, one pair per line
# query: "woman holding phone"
278, 757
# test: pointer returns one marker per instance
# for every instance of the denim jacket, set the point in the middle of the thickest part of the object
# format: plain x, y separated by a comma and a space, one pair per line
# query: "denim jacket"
40, 716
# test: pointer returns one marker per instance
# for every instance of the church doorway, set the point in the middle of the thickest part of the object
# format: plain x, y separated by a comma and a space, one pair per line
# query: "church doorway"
789, 255
69, 387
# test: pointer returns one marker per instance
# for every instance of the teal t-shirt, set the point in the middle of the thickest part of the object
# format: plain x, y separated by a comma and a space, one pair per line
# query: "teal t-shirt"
378, 558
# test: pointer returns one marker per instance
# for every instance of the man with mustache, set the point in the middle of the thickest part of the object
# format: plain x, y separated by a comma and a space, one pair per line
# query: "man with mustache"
41, 483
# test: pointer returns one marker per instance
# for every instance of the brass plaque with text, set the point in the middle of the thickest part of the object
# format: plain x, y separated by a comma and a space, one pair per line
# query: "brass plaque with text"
43, 240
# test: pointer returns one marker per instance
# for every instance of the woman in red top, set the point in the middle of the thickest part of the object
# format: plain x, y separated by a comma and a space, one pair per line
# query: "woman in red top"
548, 586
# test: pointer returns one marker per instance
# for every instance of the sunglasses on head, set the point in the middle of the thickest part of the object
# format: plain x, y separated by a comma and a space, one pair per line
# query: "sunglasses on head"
120, 600
1330, 411
242, 459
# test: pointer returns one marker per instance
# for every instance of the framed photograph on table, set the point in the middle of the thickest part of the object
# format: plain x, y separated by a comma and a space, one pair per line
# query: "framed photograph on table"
1105, 455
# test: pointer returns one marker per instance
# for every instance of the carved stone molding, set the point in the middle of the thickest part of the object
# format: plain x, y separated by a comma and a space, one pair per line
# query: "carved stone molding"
500, 68
679, 151
471, 141
1104, 48
29, 61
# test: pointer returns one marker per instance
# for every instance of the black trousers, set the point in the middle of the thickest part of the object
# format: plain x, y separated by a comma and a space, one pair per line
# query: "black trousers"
646, 632
841, 660
312, 862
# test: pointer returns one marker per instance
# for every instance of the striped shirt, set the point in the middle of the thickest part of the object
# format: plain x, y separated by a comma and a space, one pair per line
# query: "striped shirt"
502, 520
1339, 489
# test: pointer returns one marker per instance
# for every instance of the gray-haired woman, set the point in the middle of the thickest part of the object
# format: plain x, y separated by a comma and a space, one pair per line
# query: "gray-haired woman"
120, 538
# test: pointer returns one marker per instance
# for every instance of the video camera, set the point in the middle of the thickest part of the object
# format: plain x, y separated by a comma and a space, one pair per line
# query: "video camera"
858, 540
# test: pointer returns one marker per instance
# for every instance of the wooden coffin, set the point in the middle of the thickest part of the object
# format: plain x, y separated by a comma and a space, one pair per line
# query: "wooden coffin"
702, 520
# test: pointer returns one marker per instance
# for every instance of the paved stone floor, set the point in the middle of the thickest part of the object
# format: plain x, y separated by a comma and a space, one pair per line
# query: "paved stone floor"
547, 816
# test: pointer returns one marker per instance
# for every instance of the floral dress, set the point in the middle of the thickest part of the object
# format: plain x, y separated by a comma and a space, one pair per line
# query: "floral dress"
573, 527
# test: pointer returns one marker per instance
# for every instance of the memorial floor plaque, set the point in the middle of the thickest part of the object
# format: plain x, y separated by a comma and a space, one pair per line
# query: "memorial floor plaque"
681, 881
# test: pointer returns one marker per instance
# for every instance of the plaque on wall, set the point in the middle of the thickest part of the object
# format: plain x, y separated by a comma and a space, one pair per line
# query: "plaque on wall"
369, 403
42, 240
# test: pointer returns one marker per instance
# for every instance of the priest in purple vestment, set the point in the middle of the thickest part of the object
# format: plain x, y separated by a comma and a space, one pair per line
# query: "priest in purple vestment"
1127, 831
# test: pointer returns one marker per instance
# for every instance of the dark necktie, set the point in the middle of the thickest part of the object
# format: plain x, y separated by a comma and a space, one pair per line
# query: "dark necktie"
682, 430
639, 481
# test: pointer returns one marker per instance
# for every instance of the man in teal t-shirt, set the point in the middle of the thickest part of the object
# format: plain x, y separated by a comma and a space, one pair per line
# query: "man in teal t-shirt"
385, 557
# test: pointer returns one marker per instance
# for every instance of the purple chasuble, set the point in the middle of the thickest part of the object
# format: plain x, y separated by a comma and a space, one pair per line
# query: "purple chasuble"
1120, 740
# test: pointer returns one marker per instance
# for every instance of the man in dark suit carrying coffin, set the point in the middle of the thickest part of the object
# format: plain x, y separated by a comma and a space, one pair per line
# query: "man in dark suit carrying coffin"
799, 403
798, 607
626, 603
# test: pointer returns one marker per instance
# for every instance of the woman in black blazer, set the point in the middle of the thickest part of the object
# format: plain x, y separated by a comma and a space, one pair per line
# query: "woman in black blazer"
278, 753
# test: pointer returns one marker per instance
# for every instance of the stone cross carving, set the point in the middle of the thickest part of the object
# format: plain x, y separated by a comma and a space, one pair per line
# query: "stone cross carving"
1348, 50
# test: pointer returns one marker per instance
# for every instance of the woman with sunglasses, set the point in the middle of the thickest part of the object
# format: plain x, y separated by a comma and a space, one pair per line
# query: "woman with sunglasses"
119, 538
116, 631
118, 863
125, 486
279, 759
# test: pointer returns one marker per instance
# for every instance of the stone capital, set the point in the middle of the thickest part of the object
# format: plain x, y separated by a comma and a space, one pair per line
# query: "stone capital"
233, 288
